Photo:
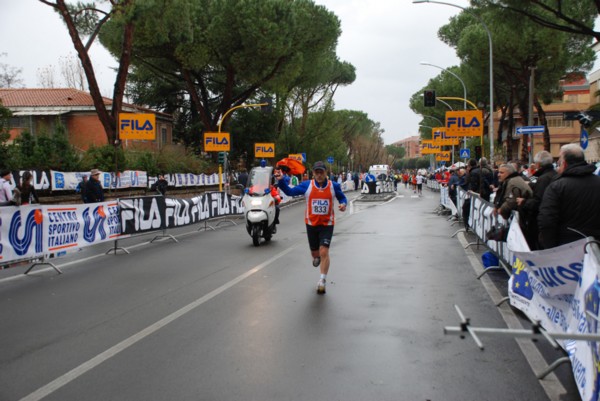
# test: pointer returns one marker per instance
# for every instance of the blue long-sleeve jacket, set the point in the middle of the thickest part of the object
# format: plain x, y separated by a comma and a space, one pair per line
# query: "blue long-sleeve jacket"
301, 189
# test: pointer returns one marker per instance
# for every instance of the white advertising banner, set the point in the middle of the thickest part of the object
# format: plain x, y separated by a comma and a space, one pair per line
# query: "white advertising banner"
559, 287
32, 231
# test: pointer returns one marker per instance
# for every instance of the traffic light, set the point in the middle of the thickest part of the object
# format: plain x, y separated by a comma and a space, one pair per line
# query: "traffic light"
585, 119
221, 157
477, 152
268, 107
429, 98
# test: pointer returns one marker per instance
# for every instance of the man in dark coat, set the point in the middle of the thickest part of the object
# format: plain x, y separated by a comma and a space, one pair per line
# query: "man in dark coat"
93, 188
530, 207
481, 178
160, 185
571, 201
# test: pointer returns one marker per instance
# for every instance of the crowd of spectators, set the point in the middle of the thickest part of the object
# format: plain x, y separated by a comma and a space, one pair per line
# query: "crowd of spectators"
557, 202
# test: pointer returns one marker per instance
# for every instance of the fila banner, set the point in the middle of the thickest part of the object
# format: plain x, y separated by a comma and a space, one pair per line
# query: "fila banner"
137, 126
443, 156
265, 150
217, 142
428, 147
441, 139
151, 213
464, 123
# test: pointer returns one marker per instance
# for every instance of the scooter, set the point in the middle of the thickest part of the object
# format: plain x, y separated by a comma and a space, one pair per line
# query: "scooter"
259, 205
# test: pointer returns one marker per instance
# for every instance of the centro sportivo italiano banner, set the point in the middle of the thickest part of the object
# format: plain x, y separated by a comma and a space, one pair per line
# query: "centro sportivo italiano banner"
28, 232
559, 287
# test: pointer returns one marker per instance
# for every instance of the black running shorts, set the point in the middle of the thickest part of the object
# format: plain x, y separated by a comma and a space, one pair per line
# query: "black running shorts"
319, 236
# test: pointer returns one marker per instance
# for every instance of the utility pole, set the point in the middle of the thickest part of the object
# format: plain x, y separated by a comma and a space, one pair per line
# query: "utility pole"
530, 117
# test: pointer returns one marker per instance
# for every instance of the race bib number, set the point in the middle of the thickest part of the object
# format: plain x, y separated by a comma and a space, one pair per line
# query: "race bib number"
320, 206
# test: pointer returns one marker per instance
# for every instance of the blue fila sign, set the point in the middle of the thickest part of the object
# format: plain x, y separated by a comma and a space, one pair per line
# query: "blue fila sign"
464, 123
137, 126
217, 142
461, 122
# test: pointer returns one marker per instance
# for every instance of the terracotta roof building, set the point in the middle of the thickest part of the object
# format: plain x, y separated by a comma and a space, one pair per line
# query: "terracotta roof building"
39, 111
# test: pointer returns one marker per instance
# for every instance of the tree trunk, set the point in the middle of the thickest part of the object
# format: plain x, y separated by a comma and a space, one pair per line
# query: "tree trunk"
543, 121
511, 124
524, 119
108, 120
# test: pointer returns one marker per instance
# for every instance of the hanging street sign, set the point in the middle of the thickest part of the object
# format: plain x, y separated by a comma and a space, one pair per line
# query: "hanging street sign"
583, 139
534, 129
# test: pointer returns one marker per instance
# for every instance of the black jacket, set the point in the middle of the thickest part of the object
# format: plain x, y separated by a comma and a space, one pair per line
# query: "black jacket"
93, 191
570, 201
530, 208
544, 176
160, 186
480, 181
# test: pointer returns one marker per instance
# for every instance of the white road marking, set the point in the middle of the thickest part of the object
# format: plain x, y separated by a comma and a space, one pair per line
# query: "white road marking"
123, 345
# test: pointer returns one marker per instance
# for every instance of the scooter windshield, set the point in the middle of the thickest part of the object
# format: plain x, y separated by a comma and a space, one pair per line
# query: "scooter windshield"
259, 180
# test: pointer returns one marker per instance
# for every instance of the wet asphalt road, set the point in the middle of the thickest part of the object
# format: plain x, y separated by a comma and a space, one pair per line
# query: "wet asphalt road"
214, 318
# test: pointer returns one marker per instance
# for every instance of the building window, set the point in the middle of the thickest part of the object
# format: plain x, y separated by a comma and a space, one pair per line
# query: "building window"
571, 99
163, 135
19, 122
558, 122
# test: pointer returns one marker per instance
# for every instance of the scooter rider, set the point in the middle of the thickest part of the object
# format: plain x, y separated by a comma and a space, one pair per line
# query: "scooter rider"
319, 216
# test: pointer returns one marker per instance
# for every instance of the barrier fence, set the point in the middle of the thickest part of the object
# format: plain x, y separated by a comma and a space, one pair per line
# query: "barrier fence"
34, 232
558, 289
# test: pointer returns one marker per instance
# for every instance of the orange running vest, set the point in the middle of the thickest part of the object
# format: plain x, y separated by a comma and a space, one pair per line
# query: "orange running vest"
319, 205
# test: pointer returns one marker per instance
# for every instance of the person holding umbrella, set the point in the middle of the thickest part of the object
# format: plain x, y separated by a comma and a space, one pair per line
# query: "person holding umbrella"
319, 216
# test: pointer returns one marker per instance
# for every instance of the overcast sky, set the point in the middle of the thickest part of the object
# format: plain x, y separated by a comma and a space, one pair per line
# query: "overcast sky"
384, 39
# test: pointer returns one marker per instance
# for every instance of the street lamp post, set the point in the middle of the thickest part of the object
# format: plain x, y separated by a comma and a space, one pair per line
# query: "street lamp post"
455, 76
464, 96
491, 121
434, 118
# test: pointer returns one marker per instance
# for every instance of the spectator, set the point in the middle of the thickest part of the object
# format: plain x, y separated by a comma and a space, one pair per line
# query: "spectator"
512, 186
81, 188
93, 188
466, 207
529, 208
570, 203
6, 195
243, 178
160, 185
371, 182
481, 179
453, 184
28, 194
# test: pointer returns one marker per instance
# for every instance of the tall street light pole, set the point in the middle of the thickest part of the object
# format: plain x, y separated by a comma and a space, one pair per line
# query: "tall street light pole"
491, 121
455, 76
464, 96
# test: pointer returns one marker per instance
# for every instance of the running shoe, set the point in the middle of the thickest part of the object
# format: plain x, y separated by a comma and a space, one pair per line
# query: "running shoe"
317, 261
321, 286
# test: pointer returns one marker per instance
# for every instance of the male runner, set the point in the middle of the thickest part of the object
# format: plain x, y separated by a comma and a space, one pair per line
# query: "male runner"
319, 216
